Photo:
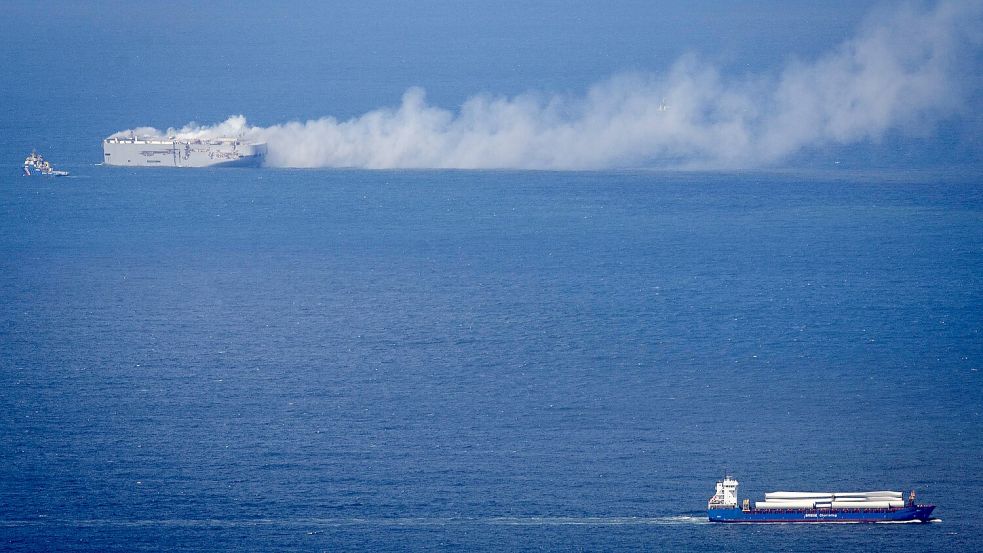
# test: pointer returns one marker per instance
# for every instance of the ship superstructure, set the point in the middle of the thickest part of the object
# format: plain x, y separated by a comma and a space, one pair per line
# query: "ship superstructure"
873, 506
158, 151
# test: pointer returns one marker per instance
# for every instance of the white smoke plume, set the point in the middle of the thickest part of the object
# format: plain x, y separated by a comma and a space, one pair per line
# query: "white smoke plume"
905, 71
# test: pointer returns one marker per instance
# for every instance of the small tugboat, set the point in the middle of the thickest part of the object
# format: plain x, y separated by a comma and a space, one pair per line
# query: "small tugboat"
35, 164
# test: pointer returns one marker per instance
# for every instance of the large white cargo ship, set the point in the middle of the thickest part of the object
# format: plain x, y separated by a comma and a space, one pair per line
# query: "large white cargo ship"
170, 151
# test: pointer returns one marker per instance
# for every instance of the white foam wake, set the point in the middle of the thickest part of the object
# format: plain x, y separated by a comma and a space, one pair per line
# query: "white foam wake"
363, 521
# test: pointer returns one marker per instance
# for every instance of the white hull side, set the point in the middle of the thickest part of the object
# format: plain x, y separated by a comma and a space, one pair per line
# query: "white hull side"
176, 153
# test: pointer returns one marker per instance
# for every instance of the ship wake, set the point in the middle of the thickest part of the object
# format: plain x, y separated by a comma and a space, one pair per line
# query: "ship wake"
409, 522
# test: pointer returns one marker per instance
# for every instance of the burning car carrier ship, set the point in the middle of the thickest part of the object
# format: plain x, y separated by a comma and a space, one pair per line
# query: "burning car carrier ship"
878, 506
171, 151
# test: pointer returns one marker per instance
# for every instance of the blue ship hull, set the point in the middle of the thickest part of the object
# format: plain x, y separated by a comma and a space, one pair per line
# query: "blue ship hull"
910, 513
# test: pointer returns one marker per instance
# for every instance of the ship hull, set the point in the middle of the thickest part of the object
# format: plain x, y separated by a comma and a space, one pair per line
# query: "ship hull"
911, 513
36, 173
182, 153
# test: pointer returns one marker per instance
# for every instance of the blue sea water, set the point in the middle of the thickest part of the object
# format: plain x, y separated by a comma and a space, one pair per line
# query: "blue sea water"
334, 360
417, 360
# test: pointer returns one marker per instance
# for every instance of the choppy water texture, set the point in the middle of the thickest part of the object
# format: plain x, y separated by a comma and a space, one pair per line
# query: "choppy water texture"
331, 360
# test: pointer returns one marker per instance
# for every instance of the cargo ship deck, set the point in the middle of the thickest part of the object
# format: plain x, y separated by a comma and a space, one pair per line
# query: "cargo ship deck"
815, 507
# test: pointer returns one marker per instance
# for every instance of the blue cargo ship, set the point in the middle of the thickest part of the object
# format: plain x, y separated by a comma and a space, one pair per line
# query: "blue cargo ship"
816, 507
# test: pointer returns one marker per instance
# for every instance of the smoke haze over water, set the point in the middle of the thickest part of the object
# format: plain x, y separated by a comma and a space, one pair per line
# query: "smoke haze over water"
906, 71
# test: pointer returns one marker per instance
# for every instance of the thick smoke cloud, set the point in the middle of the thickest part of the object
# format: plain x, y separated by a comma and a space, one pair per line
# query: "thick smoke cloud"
905, 71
